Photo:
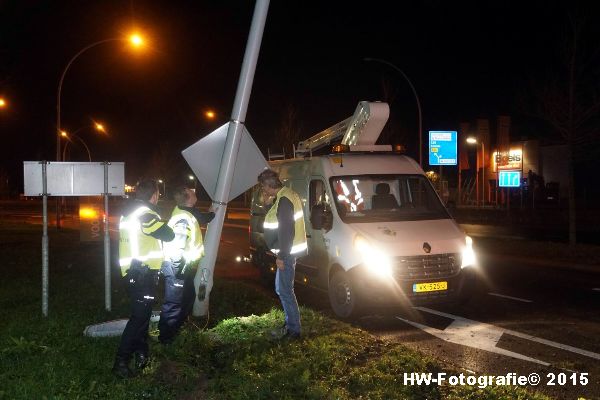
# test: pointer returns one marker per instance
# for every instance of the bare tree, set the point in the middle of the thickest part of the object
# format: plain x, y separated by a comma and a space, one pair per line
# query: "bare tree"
392, 133
289, 130
166, 163
570, 104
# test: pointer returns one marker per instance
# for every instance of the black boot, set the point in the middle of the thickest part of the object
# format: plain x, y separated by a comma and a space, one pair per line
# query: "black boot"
121, 369
141, 361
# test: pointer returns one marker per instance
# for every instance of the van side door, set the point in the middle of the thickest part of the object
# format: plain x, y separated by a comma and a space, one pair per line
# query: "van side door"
315, 264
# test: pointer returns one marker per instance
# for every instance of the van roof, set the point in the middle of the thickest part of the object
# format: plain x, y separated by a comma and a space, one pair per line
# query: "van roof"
353, 163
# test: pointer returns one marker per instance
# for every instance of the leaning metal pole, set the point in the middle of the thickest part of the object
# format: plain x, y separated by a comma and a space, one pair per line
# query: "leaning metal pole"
204, 275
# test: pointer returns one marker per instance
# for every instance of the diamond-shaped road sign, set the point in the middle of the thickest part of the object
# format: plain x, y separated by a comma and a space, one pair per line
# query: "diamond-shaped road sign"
204, 157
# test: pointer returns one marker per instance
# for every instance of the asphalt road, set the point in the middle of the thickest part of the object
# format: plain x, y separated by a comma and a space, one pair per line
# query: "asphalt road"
523, 319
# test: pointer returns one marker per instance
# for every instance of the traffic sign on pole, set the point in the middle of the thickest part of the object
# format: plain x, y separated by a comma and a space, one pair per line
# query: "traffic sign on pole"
443, 148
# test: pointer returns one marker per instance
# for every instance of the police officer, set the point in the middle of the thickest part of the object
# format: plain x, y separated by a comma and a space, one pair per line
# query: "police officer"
285, 235
141, 233
184, 253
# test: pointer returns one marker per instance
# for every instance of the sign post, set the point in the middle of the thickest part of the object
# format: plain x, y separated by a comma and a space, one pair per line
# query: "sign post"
443, 151
233, 149
45, 179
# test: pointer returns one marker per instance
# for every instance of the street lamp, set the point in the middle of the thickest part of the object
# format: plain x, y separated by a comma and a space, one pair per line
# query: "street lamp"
472, 140
193, 178
69, 137
135, 40
164, 187
389, 64
2, 103
97, 126
210, 114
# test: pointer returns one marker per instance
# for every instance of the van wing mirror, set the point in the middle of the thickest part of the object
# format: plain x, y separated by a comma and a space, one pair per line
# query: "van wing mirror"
321, 217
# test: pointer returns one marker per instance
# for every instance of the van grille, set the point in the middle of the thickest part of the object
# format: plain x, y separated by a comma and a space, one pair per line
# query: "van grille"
427, 266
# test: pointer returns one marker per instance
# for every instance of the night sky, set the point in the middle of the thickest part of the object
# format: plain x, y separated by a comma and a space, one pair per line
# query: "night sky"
467, 60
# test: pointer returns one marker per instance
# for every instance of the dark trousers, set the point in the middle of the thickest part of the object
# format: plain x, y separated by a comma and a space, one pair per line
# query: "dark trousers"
178, 301
141, 286
189, 295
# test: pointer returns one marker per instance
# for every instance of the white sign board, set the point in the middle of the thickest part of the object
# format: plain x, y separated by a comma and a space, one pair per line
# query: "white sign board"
74, 178
204, 157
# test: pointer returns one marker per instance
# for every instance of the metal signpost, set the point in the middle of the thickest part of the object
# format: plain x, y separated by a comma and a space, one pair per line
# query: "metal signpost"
233, 150
43, 178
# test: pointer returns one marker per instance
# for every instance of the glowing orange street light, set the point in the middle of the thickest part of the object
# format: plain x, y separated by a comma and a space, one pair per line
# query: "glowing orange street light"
99, 127
136, 40
2, 103
210, 114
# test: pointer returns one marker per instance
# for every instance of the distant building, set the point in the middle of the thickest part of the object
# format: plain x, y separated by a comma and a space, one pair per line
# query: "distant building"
525, 171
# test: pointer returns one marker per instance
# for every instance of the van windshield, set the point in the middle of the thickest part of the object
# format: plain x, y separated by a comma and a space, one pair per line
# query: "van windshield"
380, 198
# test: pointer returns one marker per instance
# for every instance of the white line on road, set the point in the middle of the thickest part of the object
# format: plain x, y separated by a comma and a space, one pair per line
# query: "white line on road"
485, 336
510, 297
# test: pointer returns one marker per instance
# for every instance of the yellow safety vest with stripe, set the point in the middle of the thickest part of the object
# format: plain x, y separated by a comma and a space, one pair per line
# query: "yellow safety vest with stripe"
299, 244
135, 241
188, 238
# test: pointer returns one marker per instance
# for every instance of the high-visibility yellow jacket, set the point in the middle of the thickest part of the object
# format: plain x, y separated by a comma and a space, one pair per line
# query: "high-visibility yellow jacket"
141, 233
271, 224
188, 238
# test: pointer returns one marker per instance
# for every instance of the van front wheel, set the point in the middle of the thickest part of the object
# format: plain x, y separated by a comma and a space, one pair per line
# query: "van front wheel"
343, 296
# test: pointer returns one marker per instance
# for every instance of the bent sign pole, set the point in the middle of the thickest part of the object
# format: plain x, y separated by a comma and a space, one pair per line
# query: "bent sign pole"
204, 275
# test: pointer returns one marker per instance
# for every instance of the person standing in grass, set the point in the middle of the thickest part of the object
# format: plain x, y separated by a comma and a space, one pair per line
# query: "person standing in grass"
285, 236
184, 252
141, 234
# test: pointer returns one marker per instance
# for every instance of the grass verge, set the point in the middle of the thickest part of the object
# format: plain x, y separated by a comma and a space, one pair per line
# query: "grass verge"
234, 358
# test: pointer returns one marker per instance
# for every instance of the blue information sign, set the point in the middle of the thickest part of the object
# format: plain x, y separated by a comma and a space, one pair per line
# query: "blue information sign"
442, 148
509, 178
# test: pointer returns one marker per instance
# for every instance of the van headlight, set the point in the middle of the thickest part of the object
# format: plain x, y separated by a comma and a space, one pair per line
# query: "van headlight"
468, 254
376, 260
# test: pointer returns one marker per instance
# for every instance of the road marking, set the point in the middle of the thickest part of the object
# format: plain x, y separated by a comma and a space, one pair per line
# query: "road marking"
484, 336
597, 289
510, 297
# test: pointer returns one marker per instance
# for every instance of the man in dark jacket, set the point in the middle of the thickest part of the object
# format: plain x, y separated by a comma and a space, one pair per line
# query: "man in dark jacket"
285, 235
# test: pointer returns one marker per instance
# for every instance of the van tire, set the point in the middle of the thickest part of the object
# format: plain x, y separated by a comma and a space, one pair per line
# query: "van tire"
343, 296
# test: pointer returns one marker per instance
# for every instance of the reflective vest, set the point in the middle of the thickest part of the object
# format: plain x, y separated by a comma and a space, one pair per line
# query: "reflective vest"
271, 223
135, 241
188, 237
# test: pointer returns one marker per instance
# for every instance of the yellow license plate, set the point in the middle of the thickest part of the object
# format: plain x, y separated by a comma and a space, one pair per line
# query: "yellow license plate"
429, 287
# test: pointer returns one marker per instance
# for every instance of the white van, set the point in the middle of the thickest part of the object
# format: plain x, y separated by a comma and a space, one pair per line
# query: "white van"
377, 231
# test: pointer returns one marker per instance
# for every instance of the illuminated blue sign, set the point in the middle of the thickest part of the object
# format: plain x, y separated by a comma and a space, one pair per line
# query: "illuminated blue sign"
442, 148
509, 178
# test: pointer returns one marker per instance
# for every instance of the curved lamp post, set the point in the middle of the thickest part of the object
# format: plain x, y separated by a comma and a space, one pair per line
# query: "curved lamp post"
389, 64
97, 126
69, 136
135, 40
